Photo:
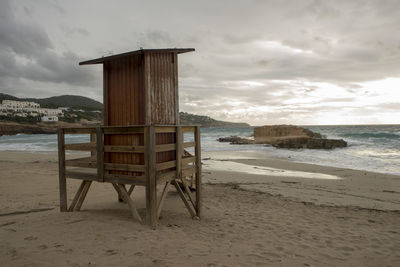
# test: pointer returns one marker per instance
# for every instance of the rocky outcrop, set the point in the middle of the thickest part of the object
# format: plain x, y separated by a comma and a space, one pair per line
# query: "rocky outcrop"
266, 133
236, 140
16, 128
307, 142
12, 128
286, 136
290, 136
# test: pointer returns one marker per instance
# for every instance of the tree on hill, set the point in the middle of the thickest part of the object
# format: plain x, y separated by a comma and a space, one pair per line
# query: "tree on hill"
72, 101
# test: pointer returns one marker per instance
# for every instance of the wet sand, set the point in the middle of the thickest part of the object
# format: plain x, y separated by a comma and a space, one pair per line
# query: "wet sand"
258, 211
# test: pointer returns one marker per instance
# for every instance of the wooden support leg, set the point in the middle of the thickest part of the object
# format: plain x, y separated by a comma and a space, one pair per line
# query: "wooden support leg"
162, 198
150, 173
198, 171
61, 170
83, 195
120, 198
182, 195
77, 195
122, 190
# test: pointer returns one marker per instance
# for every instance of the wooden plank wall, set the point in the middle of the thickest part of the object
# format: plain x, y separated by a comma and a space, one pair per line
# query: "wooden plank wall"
124, 105
164, 98
126, 101
163, 90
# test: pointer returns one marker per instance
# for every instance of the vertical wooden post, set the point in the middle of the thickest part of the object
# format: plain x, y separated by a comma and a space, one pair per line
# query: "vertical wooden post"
61, 170
147, 89
105, 92
93, 140
176, 89
100, 154
179, 152
150, 164
198, 170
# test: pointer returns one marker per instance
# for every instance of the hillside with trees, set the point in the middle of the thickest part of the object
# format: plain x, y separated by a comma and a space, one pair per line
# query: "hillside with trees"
87, 109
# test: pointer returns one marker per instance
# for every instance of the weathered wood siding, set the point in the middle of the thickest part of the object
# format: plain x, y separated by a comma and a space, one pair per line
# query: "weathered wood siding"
163, 85
124, 92
164, 105
124, 105
140, 89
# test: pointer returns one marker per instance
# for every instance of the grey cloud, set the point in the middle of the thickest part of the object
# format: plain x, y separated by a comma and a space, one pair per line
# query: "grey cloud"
26, 52
22, 38
343, 43
70, 31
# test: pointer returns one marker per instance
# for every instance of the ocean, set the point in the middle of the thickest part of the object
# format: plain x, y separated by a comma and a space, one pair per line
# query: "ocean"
370, 147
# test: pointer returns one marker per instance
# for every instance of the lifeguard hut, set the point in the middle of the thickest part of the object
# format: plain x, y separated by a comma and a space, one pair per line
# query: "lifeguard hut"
141, 142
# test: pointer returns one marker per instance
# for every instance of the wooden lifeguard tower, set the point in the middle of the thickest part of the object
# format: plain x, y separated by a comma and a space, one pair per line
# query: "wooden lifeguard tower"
142, 142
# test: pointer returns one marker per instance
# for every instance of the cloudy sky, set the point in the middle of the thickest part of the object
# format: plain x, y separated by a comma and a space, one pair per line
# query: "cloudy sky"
262, 62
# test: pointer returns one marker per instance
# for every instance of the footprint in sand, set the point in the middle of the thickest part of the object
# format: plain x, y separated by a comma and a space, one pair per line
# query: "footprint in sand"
30, 238
110, 252
270, 255
159, 262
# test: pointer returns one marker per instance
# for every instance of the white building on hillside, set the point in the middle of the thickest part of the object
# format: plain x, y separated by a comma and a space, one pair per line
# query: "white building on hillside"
50, 111
49, 118
25, 108
12, 104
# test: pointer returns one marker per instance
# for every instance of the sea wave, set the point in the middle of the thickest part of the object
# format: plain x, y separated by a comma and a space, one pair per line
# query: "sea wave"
371, 135
370, 147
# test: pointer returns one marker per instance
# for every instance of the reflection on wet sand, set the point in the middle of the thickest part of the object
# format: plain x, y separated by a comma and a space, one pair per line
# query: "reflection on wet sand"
225, 165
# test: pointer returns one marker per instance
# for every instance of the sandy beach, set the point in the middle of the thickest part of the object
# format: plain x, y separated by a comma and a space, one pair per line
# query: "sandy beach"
258, 211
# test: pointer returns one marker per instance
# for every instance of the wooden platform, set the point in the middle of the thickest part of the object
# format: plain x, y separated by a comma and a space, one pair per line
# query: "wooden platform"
182, 172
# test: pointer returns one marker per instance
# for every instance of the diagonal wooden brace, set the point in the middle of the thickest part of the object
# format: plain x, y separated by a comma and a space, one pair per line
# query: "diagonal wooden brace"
182, 195
162, 198
120, 198
77, 195
80, 196
187, 190
122, 191
131, 189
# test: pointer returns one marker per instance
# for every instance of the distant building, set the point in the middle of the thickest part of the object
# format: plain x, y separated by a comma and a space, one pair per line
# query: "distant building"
50, 111
24, 108
12, 104
49, 118
64, 108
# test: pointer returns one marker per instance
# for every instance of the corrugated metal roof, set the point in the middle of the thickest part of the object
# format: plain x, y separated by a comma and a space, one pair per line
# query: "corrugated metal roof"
141, 51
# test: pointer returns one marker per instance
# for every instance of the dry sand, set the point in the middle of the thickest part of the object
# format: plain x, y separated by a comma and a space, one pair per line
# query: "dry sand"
269, 217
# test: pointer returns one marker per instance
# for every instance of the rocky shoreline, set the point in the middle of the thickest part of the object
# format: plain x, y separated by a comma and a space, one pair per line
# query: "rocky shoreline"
286, 136
13, 128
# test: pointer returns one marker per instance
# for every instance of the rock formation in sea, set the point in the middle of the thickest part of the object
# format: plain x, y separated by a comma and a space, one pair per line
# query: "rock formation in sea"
236, 140
290, 136
286, 136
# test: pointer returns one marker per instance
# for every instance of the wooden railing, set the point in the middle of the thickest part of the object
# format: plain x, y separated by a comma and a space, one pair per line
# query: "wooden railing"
139, 161
184, 164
